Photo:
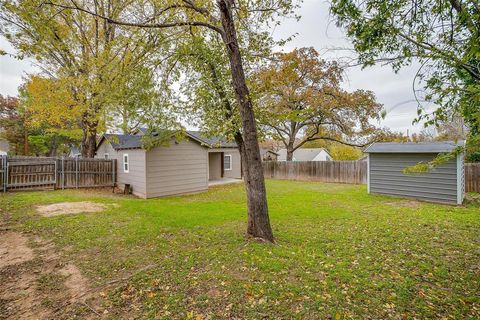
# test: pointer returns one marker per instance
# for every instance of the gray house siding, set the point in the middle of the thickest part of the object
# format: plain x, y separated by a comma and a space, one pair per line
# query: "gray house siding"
386, 177
136, 175
176, 169
236, 171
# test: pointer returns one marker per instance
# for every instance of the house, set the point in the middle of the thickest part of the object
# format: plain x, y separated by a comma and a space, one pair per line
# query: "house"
268, 155
74, 152
185, 166
307, 154
386, 161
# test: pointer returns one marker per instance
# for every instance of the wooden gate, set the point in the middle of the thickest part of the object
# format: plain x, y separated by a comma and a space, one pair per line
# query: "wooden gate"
31, 173
20, 173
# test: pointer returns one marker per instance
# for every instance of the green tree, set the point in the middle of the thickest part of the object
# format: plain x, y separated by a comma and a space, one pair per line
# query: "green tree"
90, 57
443, 35
221, 18
340, 151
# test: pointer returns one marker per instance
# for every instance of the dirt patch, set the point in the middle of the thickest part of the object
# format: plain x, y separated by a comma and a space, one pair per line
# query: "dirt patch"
14, 249
75, 282
36, 284
65, 208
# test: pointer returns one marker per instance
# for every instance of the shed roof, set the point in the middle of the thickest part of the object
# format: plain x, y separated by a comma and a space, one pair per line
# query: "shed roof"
413, 147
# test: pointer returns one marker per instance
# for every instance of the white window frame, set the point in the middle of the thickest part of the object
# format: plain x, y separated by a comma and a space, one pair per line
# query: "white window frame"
127, 169
106, 156
230, 162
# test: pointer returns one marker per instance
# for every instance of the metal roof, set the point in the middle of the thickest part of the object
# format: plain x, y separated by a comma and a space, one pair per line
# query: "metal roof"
413, 147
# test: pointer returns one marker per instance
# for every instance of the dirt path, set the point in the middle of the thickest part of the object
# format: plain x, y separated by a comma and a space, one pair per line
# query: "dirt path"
36, 284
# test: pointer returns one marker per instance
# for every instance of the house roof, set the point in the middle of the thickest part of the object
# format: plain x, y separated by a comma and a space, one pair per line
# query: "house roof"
129, 141
413, 147
212, 142
123, 141
302, 154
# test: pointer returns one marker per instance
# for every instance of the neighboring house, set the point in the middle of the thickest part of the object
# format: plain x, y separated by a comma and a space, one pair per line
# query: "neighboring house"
184, 166
74, 152
4, 147
268, 155
306, 154
386, 162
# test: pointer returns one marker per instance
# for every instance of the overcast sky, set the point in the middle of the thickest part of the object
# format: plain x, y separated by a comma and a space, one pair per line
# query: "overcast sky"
316, 29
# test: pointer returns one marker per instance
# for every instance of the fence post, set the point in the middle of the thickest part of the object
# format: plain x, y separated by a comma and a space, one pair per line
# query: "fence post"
63, 173
76, 172
4, 174
5, 185
113, 172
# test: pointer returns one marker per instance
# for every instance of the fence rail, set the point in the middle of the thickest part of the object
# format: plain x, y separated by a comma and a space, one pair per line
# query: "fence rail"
20, 173
344, 172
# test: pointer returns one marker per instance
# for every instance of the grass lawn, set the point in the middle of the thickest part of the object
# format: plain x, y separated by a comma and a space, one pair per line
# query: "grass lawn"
340, 253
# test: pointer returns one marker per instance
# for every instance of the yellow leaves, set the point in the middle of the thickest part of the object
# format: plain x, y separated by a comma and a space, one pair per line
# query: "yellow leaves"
344, 152
192, 316
51, 102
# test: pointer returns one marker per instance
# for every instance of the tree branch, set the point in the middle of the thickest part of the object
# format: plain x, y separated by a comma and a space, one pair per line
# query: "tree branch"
139, 24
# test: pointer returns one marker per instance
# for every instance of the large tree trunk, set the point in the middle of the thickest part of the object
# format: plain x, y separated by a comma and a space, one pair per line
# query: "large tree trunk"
290, 152
89, 142
258, 219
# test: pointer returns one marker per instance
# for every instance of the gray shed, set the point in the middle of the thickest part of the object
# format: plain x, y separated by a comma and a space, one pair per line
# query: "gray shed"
386, 161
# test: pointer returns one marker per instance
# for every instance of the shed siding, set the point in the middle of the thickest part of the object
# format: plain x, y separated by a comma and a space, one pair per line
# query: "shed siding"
179, 168
136, 175
236, 172
386, 177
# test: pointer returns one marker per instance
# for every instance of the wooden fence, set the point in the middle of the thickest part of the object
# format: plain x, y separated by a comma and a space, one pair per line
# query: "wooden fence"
20, 173
344, 172
472, 177
325, 171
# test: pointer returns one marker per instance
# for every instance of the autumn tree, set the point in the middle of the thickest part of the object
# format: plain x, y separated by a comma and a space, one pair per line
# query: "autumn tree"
443, 36
90, 57
223, 18
28, 136
300, 99
13, 126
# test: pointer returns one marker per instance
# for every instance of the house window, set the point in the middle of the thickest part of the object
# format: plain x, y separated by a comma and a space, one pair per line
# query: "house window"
227, 162
126, 166
105, 156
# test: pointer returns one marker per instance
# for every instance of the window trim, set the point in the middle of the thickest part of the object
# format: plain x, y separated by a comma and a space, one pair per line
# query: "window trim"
127, 170
230, 162
106, 156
